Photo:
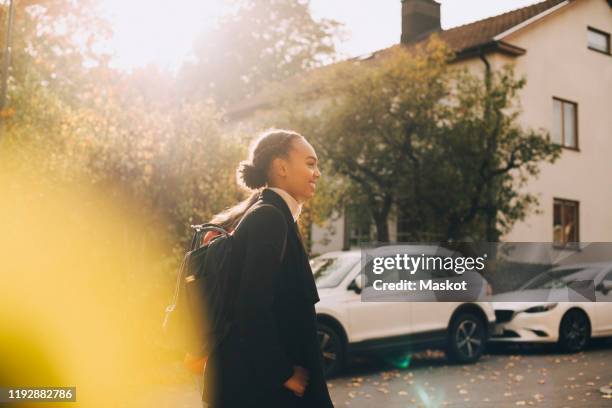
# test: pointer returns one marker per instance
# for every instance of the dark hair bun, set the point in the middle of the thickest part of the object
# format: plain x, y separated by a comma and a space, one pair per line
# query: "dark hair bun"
251, 176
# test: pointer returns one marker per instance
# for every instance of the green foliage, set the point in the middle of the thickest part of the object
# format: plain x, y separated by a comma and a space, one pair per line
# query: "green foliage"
176, 164
441, 144
262, 41
124, 134
52, 39
485, 158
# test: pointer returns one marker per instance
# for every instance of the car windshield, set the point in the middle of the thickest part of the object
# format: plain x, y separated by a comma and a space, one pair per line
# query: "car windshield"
560, 278
329, 271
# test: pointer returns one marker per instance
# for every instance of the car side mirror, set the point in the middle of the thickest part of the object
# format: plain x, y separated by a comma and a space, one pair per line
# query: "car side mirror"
604, 286
356, 284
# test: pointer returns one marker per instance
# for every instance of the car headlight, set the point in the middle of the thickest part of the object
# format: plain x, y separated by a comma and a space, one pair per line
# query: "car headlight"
541, 308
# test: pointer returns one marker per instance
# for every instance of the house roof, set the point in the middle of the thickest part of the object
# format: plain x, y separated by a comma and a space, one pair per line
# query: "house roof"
482, 32
466, 40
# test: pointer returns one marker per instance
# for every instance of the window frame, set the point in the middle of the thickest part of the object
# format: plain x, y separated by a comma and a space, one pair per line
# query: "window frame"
605, 34
576, 138
567, 244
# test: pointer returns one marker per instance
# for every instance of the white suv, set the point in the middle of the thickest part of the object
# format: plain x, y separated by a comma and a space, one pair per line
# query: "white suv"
347, 325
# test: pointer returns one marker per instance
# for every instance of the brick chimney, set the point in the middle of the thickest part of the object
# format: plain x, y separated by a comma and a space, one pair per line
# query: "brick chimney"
419, 17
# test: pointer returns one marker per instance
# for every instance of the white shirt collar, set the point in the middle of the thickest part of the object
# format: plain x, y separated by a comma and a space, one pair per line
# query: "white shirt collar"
294, 206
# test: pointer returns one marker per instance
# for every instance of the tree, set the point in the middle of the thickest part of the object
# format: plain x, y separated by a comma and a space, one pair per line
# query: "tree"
440, 144
485, 157
52, 41
262, 41
374, 114
172, 161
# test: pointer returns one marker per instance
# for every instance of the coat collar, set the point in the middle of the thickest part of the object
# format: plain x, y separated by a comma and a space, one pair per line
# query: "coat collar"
294, 206
272, 197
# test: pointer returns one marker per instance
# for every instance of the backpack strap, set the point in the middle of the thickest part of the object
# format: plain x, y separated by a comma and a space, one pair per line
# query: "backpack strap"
200, 230
170, 308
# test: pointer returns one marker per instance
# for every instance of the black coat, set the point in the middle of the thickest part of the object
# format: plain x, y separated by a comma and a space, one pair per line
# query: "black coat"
275, 323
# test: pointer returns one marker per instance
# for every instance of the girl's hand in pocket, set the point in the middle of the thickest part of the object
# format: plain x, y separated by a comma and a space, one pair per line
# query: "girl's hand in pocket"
298, 381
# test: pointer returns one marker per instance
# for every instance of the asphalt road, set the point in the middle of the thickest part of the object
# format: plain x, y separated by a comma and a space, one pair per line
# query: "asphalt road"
504, 377
535, 376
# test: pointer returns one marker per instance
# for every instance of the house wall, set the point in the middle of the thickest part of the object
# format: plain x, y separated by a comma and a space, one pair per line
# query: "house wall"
558, 63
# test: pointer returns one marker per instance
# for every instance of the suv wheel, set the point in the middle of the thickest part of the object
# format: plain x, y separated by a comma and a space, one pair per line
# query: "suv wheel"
466, 338
332, 349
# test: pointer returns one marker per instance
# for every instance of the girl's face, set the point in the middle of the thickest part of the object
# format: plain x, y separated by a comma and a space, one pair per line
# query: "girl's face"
299, 172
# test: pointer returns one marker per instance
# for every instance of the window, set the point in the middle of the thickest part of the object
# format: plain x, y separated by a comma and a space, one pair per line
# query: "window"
598, 40
565, 222
558, 278
565, 123
330, 271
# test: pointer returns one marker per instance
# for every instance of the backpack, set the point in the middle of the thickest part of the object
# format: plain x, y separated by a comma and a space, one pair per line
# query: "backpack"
200, 314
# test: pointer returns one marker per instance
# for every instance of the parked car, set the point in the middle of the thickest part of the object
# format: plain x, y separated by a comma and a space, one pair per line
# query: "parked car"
347, 325
556, 319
